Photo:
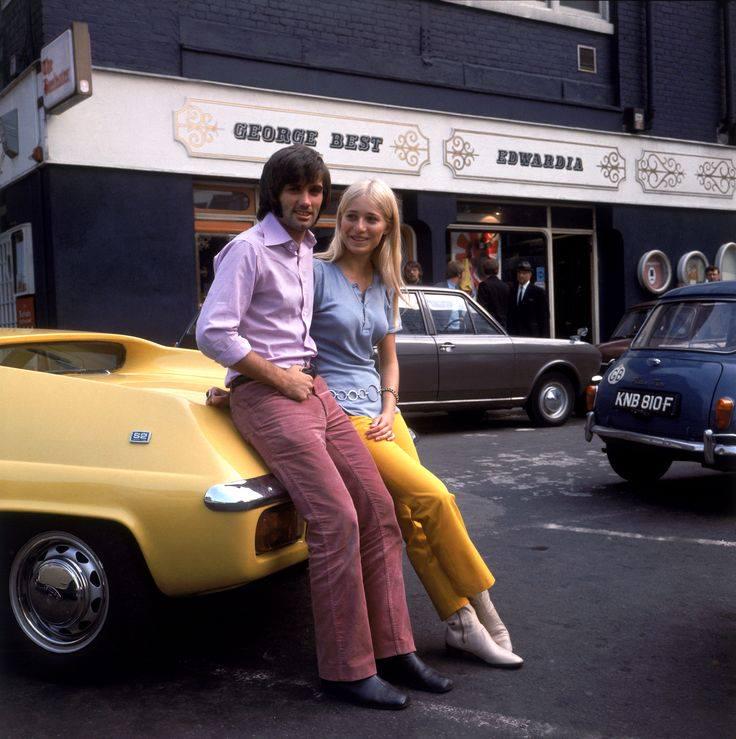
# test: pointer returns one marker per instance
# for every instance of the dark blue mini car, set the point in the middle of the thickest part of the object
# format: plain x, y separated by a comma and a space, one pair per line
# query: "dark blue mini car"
671, 395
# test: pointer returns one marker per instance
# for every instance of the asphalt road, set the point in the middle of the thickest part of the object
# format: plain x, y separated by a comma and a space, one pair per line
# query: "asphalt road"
621, 601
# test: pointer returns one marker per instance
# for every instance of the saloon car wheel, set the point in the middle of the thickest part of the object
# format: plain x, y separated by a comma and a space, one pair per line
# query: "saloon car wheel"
636, 466
551, 401
72, 597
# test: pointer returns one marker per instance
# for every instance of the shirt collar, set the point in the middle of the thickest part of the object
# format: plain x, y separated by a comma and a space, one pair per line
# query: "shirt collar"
274, 234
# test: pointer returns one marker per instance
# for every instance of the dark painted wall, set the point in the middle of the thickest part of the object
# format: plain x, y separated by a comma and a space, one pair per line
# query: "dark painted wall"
423, 53
24, 202
123, 246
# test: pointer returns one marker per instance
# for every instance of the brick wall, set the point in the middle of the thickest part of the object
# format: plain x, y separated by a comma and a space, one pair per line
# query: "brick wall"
418, 50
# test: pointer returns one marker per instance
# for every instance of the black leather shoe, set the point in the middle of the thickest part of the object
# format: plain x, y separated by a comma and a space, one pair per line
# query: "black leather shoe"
409, 670
371, 692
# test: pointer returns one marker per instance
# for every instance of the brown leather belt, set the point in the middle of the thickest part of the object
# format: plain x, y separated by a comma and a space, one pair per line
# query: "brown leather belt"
242, 379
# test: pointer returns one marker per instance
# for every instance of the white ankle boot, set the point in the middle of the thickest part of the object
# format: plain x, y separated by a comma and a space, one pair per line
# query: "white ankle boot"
465, 633
490, 619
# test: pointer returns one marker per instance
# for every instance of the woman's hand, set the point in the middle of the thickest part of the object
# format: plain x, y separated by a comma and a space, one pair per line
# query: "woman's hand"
218, 397
381, 428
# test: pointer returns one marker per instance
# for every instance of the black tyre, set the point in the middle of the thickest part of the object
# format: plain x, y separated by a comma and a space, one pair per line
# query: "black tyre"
635, 465
551, 401
73, 594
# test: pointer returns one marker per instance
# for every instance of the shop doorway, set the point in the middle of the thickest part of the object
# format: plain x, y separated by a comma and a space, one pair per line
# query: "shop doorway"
572, 265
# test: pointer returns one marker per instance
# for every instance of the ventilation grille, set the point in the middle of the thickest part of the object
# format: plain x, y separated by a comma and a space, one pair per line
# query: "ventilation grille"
586, 59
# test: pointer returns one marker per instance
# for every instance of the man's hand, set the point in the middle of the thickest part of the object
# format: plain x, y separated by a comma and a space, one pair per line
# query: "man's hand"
218, 397
295, 384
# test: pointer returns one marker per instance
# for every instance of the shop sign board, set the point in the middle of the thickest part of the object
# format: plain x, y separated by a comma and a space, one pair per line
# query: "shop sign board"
224, 130
19, 128
66, 69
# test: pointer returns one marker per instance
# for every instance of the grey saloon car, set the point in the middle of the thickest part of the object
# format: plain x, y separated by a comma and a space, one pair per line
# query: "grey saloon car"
455, 357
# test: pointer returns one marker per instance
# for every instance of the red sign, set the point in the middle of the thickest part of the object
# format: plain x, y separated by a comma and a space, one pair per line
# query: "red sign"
25, 311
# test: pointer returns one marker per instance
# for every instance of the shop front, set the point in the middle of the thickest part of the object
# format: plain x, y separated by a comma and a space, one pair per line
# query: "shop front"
155, 174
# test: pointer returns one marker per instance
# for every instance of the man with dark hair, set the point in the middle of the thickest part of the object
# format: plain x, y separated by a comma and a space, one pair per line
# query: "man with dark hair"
256, 321
453, 273
493, 294
412, 273
712, 273
528, 313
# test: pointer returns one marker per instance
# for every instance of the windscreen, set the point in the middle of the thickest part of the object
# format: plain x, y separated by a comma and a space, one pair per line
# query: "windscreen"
64, 357
691, 326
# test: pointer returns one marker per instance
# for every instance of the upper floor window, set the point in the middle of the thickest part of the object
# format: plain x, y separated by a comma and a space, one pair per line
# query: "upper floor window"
592, 15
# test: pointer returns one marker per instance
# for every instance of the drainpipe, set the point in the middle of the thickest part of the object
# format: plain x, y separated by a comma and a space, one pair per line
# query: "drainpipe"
649, 112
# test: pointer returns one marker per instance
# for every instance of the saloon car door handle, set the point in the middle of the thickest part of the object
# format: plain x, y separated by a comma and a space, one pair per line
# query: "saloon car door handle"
448, 346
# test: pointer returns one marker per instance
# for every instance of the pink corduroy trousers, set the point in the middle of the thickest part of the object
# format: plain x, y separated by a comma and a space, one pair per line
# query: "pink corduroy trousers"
355, 545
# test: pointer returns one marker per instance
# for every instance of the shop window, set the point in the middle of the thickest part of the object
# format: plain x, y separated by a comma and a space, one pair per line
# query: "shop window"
592, 15
572, 218
502, 214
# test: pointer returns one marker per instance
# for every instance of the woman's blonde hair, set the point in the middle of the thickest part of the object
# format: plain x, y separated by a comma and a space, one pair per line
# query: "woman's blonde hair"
386, 257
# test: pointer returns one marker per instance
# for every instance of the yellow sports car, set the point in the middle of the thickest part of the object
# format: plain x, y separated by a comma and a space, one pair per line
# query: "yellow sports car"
115, 476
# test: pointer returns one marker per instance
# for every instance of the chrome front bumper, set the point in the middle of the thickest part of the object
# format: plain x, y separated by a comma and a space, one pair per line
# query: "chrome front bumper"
712, 448
245, 495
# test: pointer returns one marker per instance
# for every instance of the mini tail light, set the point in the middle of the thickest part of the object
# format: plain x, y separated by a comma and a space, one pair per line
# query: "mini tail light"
724, 413
278, 527
590, 393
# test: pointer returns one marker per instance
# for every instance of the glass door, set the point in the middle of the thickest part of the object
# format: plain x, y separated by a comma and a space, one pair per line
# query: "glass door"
572, 263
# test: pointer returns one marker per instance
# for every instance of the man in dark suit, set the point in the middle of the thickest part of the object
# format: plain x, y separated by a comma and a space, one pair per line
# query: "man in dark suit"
493, 294
528, 310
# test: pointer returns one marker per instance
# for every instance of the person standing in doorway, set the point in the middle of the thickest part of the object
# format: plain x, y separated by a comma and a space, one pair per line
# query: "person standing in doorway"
256, 322
453, 274
528, 312
712, 273
493, 294
412, 273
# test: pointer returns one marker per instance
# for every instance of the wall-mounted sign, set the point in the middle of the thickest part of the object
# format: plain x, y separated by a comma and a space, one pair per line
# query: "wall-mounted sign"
691, 268
251, 133
66, 69
25, 311
726, 260
654, 271
481, 155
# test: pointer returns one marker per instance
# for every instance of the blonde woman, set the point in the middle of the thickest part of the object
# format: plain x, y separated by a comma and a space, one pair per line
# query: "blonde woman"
357, 283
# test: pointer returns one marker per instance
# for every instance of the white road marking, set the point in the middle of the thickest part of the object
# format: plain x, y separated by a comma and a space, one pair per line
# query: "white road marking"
484, 719
645, 537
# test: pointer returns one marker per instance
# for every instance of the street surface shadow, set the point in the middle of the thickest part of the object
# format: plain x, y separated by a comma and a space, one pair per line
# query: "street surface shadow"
705, 493
441, 423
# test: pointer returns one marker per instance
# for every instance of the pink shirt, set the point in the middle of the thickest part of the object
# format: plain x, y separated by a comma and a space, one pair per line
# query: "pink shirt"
260, 300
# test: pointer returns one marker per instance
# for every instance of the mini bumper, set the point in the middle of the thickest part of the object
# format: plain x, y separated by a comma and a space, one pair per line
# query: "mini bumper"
713, 448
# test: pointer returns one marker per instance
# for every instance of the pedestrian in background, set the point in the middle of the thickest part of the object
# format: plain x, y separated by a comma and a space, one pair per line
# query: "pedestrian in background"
453, 273
412, 273
712, 273
528, 312
493, 293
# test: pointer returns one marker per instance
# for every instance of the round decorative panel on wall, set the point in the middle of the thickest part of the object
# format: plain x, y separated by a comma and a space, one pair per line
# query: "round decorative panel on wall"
691, 268
726, 261
654, 271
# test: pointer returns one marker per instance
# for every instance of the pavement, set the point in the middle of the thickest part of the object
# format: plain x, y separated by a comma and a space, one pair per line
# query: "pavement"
622, 602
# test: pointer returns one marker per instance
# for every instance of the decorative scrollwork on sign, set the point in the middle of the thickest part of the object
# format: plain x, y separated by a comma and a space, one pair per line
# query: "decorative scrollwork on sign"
459, 154
194, 127
658, 172
613, 167
717, 176
410, 146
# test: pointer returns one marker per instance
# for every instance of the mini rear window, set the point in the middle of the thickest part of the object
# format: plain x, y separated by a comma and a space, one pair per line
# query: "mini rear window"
64, 357
690, 326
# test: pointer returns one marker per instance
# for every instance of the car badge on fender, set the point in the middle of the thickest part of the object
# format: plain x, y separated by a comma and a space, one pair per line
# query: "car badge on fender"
140, 437
616, 374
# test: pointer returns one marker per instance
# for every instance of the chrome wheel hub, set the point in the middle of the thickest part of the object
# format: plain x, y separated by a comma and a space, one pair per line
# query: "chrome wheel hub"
554, 401
59, 592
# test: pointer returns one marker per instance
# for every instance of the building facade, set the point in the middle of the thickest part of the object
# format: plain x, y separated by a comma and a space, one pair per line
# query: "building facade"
595, 139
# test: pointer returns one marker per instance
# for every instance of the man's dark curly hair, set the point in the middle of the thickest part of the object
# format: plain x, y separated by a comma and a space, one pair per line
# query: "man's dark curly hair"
292, 165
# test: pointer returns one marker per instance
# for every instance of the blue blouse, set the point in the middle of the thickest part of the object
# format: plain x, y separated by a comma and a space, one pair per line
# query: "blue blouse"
346, 325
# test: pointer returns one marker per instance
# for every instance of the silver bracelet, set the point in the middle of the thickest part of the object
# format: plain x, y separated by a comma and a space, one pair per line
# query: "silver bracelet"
392, 391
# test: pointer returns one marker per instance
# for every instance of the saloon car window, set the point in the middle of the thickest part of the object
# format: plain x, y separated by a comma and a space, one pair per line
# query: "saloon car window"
690, 326
481, 324
64, 357
450, 313
412, 321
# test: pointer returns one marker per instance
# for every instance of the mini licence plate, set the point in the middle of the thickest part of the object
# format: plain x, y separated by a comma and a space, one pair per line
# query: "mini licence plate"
648, 403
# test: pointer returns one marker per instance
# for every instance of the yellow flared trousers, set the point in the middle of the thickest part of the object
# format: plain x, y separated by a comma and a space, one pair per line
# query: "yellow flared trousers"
437, 542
